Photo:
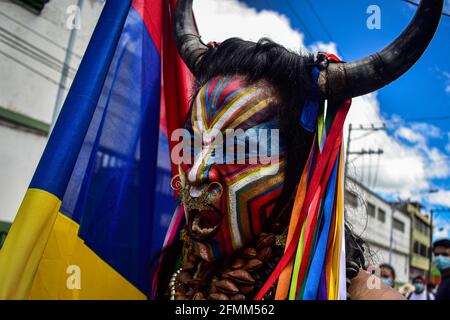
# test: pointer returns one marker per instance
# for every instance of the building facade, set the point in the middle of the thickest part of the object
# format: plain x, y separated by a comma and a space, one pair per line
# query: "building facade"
34, 37
420, 240
372, 218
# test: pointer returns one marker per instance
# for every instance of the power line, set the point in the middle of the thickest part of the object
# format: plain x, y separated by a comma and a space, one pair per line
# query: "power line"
299, 19
426, 163
31, 69
416, 4
43, 58
39, 34
324, 26
29, 46
434, 118
396, 122
377, 167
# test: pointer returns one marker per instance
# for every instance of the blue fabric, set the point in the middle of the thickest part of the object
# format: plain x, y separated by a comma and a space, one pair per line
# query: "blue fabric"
317, 264
322, 293
119, 188
311, 107
59, 157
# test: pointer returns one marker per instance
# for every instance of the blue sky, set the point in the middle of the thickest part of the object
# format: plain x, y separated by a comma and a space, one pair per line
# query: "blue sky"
422, 96
416, 107
421, 93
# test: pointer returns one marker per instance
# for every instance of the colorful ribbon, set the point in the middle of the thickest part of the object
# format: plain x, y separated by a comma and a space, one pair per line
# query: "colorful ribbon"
312, 265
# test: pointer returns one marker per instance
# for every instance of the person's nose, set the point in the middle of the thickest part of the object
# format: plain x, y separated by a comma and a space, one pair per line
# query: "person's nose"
203, 179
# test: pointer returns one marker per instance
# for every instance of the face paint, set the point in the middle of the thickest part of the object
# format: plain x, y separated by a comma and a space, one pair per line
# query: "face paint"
239, 151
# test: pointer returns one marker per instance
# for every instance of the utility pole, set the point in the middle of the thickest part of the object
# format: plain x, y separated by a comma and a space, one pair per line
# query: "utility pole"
65, 71
348, 153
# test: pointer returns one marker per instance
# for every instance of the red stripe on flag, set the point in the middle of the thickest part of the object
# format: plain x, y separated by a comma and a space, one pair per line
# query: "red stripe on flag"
151, 13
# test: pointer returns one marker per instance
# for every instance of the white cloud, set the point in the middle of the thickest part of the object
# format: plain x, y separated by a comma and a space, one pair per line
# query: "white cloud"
426, 129
441, 226
219, 20
324, 47
447, 147
409, 135
404, 169
447, 81
442, 197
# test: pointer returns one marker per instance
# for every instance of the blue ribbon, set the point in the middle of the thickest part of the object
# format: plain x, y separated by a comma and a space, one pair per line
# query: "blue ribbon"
311, 107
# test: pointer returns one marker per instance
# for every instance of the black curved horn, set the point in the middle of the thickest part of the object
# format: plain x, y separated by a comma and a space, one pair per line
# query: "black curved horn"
341, 81
187, 39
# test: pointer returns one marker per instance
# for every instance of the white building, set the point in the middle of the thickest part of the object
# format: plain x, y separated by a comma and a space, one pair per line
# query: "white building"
371, 217
33, 46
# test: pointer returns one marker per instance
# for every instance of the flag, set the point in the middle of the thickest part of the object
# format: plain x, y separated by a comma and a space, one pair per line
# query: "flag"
100, 202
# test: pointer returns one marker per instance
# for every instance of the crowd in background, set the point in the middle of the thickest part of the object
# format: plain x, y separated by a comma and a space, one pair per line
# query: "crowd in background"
420, 288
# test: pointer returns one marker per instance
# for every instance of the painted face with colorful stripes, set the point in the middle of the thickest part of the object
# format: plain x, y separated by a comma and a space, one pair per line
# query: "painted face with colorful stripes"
235, 171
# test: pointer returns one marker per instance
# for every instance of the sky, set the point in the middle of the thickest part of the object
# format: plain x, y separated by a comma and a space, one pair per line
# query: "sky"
415, 109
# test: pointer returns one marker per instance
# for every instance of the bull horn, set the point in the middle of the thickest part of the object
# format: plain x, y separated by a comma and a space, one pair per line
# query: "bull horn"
187, 39
346, 80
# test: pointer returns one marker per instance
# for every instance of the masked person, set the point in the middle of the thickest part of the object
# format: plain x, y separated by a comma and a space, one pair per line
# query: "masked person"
229, 238
387, 273
420, 290
441, 260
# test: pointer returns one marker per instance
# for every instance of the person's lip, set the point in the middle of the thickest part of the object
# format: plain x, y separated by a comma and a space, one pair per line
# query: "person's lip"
204, 224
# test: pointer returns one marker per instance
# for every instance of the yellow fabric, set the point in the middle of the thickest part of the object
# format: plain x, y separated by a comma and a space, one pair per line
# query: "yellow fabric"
26, 241
41, 248
98, 280
333, 270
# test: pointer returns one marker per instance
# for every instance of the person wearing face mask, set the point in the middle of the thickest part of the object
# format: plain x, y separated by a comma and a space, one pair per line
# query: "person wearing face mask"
420, 290
441, 260
387, 274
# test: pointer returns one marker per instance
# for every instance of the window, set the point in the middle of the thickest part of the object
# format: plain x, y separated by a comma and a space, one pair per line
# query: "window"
370, 210
422, 227
399, 225
34, 5
423, 250
416, 247
351, 199
381, 215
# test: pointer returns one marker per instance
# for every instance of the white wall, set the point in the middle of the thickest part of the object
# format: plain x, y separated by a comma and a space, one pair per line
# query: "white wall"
20, 153
378, 233
25, 91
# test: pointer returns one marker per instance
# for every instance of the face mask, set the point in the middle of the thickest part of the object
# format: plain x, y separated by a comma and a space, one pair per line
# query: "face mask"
388, 282
419, 287
441, 262
250, 188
